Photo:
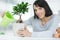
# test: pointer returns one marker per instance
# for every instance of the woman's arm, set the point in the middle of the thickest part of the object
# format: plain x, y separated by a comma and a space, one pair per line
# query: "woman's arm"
24, 33
27, 32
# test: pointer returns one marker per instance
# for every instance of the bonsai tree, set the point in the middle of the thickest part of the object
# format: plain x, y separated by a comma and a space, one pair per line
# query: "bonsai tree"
20, 9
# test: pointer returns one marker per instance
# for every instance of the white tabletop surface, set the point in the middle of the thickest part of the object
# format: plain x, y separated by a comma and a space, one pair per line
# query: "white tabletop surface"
9, 35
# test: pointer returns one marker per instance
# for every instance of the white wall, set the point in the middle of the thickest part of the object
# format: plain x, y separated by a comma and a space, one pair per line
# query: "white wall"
54, 4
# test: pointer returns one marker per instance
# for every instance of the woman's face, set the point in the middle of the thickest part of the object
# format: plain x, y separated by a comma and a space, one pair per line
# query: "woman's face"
40, 11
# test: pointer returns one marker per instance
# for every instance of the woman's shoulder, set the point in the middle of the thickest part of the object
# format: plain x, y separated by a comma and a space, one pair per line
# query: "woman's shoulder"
29, 21
56, 16
31, 18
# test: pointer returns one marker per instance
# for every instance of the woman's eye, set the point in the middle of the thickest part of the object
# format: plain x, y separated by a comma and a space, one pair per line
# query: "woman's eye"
40, 8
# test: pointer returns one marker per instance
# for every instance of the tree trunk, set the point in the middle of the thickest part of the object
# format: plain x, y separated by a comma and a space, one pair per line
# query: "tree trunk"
20, 20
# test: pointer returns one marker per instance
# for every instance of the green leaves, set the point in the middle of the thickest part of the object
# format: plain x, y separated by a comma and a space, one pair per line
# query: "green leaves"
2, 33
21, 8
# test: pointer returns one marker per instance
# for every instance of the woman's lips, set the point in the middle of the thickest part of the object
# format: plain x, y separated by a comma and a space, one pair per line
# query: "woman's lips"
39, 14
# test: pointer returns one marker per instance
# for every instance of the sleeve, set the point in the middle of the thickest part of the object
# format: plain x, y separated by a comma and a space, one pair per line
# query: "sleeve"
29, 24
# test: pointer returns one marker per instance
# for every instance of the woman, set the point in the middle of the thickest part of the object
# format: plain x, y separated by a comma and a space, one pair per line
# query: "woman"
42, 20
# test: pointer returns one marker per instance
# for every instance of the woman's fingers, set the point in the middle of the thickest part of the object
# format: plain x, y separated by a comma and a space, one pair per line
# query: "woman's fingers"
25, 29
24, 32
20, 33
21, 30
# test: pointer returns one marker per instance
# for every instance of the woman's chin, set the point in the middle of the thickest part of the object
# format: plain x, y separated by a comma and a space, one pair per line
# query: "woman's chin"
41, 17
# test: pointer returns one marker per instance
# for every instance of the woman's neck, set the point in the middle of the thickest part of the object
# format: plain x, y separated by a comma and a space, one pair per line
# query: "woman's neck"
45, 20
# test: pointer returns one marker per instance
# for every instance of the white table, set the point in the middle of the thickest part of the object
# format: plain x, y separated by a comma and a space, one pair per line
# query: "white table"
9, 35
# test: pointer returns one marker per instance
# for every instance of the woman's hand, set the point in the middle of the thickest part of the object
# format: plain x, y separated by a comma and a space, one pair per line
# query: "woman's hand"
56, 35
24, 33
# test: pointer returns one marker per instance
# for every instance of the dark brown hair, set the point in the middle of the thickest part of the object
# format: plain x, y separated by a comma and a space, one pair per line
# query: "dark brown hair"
44, 4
